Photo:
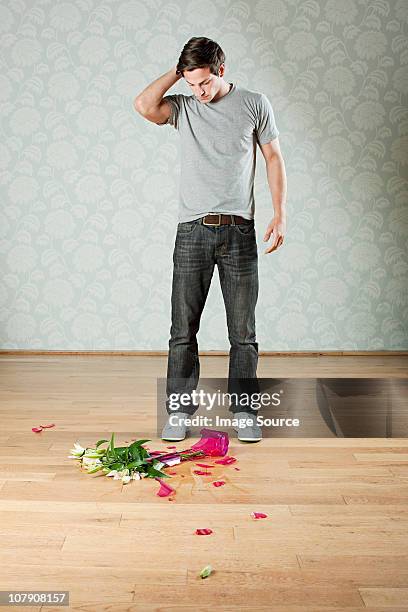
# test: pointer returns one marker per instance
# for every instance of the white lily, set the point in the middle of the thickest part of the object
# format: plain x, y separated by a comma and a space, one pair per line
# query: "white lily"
136, 476
112, 473
87, 462
126, 478
77, 451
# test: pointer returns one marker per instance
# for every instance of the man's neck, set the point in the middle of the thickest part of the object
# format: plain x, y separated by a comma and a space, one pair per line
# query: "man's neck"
224, 89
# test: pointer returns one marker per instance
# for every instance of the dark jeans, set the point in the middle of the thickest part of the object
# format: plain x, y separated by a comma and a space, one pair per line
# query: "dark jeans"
197, 249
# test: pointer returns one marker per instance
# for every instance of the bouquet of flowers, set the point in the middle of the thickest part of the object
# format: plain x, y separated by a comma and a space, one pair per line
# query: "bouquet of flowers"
136, 462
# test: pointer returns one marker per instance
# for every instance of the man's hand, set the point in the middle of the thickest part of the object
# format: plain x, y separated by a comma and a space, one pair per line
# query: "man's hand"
277, 227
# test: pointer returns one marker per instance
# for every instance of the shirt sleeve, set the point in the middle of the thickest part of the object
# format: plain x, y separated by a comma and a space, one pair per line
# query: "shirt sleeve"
176, 106
266, 129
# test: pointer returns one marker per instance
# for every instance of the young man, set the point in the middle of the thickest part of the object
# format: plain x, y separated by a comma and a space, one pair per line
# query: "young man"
219, 125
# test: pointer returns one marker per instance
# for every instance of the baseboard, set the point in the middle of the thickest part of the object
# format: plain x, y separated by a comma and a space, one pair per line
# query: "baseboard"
30, 353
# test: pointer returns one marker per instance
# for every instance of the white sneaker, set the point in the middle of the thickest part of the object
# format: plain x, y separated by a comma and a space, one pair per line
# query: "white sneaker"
250, 431
177, 431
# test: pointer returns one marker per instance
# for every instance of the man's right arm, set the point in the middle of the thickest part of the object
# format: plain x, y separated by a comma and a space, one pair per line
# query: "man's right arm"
150, 104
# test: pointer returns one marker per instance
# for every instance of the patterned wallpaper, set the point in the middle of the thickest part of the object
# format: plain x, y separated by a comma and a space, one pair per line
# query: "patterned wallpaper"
89, 188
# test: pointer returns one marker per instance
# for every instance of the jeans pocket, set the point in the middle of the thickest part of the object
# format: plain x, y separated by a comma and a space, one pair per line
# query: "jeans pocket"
246, 228
186, 227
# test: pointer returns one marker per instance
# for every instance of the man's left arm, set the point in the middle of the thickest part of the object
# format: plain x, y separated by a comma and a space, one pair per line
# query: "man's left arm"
275, 169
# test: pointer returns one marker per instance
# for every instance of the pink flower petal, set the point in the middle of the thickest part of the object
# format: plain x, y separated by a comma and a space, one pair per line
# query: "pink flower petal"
165, 489
201, 473
47, 426
226, 460
258, 515
203, 531
36, 429
205, 465
218, 483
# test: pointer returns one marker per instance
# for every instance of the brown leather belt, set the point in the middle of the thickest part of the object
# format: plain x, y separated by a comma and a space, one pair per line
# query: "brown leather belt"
221, 219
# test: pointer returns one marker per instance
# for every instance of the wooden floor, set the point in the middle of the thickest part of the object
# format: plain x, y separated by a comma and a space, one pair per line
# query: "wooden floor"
335, 537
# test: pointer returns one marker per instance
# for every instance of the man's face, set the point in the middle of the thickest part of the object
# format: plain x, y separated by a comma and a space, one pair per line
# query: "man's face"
203, 84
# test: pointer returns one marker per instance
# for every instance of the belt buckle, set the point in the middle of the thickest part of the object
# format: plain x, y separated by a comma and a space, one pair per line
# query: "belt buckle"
213, 224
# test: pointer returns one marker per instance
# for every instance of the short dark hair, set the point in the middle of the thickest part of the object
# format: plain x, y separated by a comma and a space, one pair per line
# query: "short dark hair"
200, 52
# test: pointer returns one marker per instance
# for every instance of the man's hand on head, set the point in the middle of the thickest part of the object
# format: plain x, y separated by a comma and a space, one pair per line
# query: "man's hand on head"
276, 228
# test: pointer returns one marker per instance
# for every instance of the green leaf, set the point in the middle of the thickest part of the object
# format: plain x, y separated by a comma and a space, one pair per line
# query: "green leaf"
206, 571
121, 449
120, 453
100, 442
117, 466
139, 442
153, 473
136, 450
136, 463
143, 453
136, 457
111, 448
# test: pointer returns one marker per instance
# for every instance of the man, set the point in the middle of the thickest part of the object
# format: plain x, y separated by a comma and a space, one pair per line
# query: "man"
219, 125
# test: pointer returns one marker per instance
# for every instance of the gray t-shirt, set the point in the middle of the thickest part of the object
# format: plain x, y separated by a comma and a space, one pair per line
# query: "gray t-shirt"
218, 150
